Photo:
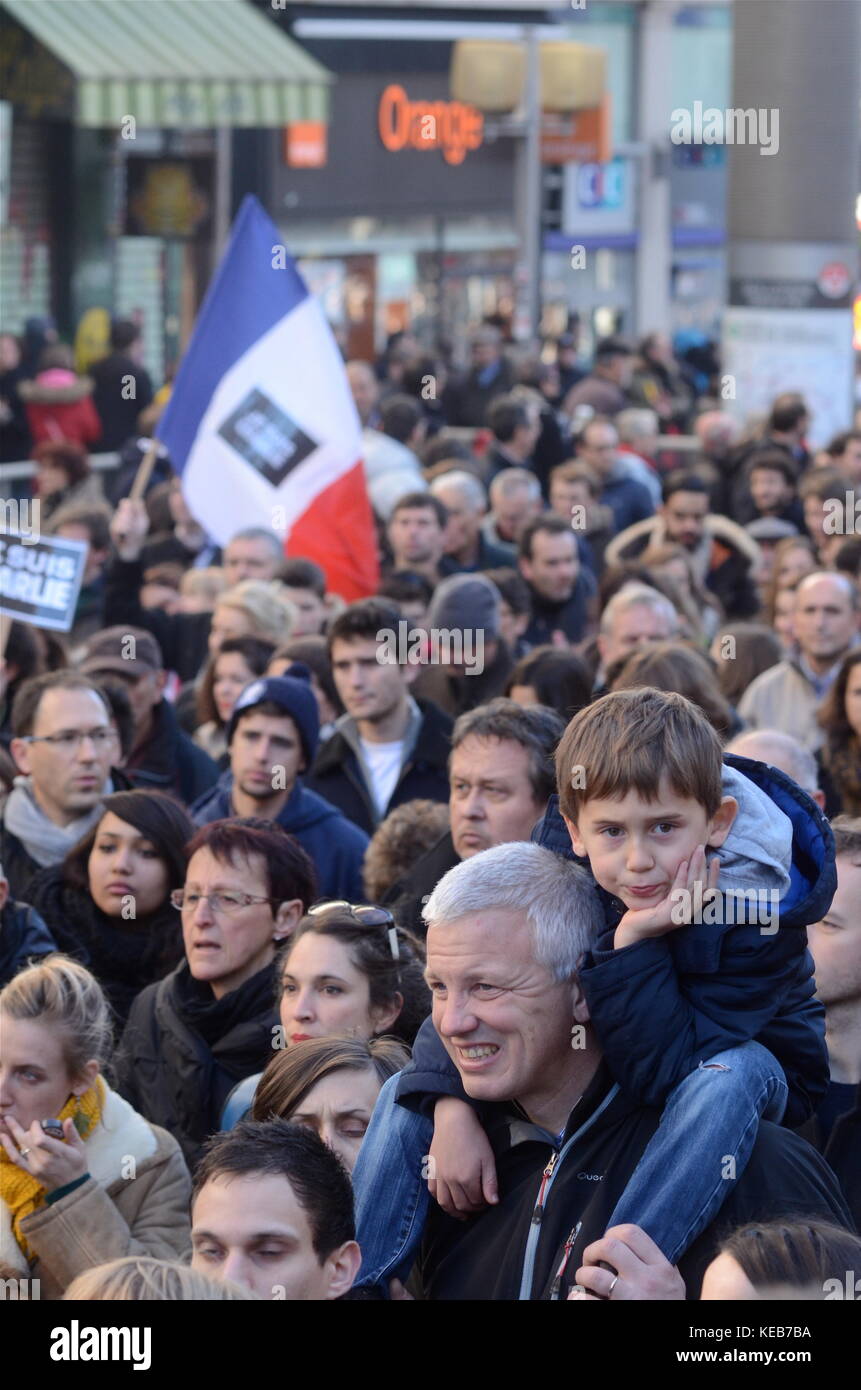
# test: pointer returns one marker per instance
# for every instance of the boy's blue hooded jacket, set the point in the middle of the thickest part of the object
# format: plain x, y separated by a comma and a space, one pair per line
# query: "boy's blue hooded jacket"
662, 1005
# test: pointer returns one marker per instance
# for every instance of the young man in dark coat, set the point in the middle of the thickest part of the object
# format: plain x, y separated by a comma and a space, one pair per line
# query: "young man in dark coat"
388, 748
272, 739
207, 1025
162, 756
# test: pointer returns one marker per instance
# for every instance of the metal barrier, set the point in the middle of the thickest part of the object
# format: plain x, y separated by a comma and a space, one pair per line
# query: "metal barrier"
25, 468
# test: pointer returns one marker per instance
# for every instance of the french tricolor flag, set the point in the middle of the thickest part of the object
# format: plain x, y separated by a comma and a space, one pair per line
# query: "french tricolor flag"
261, 425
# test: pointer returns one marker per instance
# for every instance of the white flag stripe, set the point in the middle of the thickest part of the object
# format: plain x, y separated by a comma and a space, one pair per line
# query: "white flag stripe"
297, 365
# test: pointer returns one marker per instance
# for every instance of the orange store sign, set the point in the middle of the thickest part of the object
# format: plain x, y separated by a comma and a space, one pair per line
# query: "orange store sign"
450, 126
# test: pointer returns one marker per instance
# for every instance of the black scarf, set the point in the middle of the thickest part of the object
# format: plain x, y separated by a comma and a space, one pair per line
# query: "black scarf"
213, 1019
124, 956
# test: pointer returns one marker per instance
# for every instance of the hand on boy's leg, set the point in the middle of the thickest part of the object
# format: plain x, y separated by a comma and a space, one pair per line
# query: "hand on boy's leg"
694, 878
462, 1169
639, 1270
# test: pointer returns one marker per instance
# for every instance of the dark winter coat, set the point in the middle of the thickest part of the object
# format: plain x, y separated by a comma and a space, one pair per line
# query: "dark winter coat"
458, 694
628, 499
336, 846
842, 1151
124, 956
570, 618
18, 866
514, 1250
169, 761
466, 399
117, 412
407, 897
182, 636
183, 1051
23, 935
337, 775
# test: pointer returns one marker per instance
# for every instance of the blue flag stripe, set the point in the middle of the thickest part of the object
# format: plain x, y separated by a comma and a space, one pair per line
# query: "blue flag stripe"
247, 297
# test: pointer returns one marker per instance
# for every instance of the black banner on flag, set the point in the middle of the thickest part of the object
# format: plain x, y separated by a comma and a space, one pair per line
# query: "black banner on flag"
40, 580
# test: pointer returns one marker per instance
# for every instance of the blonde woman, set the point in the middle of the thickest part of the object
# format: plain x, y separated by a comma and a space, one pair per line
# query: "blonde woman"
83, 1177
252, 609
141, 1279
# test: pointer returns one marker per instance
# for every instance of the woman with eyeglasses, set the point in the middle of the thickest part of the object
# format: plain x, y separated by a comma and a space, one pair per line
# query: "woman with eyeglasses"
83, 1178
345, 971
108, 902
212, 1021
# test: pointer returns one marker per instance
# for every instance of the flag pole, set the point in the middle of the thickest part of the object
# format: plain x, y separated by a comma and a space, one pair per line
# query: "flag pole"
144, 473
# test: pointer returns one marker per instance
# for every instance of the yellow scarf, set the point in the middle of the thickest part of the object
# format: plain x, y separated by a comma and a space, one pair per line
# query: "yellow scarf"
23, 1193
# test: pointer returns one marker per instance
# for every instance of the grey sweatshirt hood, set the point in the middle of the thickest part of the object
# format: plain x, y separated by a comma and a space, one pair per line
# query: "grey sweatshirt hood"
757, 852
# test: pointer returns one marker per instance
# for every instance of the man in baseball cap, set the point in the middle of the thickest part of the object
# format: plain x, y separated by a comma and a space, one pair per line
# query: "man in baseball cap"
162, 756
272, 738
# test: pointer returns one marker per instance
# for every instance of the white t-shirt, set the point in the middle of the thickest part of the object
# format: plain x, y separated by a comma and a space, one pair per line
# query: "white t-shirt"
383, 761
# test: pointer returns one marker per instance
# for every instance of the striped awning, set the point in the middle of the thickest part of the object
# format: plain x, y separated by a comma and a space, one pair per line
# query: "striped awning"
177, 63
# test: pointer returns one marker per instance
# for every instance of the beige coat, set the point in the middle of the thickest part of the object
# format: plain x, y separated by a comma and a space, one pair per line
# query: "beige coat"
783, 698
135, 1202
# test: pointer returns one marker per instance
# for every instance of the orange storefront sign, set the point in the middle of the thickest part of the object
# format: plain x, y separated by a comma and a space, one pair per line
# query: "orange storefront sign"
581, 138
305, 145
450, 126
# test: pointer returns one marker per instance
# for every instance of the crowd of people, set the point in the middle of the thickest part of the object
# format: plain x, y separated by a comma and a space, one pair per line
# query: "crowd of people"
525, 964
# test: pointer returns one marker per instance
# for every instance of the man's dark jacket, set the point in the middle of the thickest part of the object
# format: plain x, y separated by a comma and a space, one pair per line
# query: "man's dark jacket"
490, 557
337, 776
183, 1051
182, 636
169, 761
466, 399
23, 935
514, 1250
117, 412
570, 617
335, 845
458, 694
407, 897
18, 866
842, 1151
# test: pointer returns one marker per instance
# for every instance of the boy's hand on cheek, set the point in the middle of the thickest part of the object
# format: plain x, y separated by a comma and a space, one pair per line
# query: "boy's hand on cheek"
676, 909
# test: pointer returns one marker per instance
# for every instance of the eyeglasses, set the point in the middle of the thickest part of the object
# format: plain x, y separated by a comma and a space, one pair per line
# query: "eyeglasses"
71, 739
221, 903
368, 916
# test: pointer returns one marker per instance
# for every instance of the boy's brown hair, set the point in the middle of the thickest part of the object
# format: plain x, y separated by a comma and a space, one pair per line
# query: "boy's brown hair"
628, 741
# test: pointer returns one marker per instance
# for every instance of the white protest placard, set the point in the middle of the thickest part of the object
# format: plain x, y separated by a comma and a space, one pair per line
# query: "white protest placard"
768, 351
40, 580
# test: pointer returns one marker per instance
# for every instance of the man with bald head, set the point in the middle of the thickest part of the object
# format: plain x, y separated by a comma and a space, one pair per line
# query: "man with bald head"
783, 752
826, 624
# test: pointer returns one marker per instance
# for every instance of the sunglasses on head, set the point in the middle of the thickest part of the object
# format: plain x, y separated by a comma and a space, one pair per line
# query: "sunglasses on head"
364, 913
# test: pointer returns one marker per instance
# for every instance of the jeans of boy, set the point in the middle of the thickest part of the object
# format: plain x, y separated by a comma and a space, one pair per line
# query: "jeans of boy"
702, 1146
390, 1190
686, 1172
